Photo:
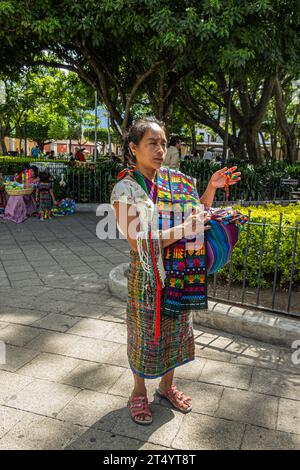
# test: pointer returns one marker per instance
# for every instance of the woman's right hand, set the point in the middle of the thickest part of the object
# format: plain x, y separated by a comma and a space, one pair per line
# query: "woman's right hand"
193, 225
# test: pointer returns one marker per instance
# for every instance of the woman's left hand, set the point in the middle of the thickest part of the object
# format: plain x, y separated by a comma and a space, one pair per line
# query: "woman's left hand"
218, 180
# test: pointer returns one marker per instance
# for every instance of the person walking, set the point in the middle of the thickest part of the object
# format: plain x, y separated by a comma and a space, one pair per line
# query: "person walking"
172, 158
167, 277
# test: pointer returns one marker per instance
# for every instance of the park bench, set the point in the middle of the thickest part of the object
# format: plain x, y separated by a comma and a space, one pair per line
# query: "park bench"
291, 185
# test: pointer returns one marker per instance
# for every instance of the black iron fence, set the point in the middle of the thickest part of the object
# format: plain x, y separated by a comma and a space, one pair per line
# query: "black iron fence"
264, 269
95, 185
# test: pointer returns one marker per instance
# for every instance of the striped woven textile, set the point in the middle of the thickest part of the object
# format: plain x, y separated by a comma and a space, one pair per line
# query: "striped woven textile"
176, 343
220, 241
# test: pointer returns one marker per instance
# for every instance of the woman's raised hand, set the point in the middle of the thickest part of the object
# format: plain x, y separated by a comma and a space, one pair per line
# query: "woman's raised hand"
218, 179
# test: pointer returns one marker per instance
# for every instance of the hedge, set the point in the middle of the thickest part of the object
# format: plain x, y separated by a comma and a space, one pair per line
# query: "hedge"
269, 212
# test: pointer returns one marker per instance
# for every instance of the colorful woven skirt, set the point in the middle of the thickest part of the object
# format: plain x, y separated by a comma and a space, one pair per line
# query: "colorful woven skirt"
176, 344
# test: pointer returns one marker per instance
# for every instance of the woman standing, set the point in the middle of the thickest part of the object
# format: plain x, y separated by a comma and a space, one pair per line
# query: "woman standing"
167, 277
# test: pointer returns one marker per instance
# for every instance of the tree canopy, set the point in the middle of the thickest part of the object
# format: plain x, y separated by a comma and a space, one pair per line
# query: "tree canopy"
156, 52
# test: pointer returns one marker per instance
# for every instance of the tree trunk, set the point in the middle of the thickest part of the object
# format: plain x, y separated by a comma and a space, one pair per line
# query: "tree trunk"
3, 146
288, 131
253, 146
194, 142
267, 152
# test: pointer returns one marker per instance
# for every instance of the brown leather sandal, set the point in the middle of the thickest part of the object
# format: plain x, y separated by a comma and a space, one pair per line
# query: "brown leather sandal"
139, 408
177, 399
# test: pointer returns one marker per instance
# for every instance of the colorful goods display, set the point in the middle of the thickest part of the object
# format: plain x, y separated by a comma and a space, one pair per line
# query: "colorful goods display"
65, 207
14, 188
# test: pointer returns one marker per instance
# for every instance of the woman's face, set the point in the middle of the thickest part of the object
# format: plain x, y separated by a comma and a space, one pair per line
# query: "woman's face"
151, 151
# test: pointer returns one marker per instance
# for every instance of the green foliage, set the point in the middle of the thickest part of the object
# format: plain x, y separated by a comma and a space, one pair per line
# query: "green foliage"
93, 186
258, 182
271, 214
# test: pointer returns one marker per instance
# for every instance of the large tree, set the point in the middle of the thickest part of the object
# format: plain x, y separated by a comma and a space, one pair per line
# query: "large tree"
53, 101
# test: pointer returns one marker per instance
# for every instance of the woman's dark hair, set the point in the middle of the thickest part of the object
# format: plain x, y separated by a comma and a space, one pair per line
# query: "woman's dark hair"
44, 177
135, 134
174, 140
35, 170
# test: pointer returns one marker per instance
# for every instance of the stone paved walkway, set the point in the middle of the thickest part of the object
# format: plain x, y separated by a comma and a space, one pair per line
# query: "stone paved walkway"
66, 379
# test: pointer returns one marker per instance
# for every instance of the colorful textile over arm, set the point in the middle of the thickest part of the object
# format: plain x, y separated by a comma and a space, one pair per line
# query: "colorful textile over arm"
221, 239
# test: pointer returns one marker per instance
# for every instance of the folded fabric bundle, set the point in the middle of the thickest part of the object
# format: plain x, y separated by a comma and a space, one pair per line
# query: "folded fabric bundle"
222, 237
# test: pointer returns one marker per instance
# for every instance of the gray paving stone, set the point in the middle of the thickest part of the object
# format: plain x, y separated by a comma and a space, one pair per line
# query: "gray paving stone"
10, 384
248, 407
226, 374
90, 408
208, 352
34, 432
56, 322
237, 347
18, 335
20, 316
91, 298
60, 294
32, 282
202, 337
289, 415
286, 363
9, 417
94, 439
89, 311
18, 268
48, 366
114, 314
53, 306
92, 328
192, 370
54, 342
12, 256
35, 397
22, 276
91, 349
199, 432
257, 438
258, 354
93, 376
118, 333
276, 383
16, 357
118, 357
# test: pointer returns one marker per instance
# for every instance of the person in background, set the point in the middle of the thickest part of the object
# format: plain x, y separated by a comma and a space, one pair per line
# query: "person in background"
34, 176
79, 155
218, 160
172, 159
35, 151
45, 196
52, 154
208, 155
